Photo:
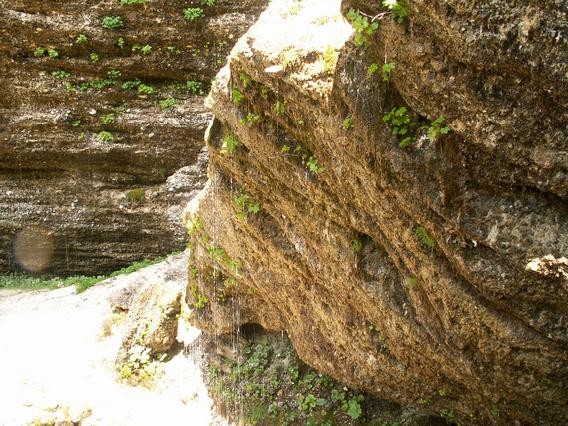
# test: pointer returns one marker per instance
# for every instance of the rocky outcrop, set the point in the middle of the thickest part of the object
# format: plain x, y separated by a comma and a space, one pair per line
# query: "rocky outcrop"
92, 164
429, 270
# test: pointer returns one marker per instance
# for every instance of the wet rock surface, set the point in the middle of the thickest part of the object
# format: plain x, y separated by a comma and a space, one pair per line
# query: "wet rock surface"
83, 126
430, 274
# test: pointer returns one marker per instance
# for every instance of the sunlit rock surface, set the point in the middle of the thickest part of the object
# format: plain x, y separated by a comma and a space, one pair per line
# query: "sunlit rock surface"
419, 274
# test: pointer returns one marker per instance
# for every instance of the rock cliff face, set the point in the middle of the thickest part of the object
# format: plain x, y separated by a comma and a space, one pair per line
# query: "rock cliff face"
428, 270
83, 126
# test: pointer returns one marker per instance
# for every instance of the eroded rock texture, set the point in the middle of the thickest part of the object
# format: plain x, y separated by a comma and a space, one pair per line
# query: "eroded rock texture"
412, 273
63, 83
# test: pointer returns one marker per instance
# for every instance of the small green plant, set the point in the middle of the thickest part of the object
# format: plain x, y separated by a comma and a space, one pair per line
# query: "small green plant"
108, 118
330, 56
76, 123
246, 204
120, 42
39, 51
313, 166
411, 282
145, 50
132, 1
388, 68
425, 238
140, 368
400, 123
105, 136
131, 84
347, 122
356, 245
194, 87
193, 13
200, 301
250, 120
280, 107
208, 2
372, 69
114, 74
173, 49
168, 103
145, 89
238, 97
112, 22
81, 38
60, 74
437, 129
82, 136
136, 195
245, 79
398, 8
230, 144
53, 53
364, 29
94, 56
354, 407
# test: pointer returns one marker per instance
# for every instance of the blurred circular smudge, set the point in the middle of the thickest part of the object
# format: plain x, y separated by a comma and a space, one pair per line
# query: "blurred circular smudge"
33, 248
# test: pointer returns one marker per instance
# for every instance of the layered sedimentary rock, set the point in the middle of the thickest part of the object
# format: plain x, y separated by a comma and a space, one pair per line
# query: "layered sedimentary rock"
82, 126
428, 271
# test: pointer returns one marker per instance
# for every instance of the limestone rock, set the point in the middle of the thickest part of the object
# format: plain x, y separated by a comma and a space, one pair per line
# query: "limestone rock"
65, 80
398, 270
152, 320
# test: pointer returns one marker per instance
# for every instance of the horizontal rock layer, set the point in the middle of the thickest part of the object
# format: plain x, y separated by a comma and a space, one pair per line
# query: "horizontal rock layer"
432, 274
60, 178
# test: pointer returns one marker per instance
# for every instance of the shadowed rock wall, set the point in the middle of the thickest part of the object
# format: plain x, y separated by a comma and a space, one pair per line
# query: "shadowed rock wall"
63, 83
432, 274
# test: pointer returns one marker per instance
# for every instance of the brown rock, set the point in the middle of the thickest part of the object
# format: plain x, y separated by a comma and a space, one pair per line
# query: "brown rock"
400, 271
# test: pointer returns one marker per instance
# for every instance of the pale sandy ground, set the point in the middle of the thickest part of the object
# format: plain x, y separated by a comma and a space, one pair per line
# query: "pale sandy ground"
53, 363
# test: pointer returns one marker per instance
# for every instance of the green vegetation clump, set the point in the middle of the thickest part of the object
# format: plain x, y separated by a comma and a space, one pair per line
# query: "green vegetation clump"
142, 368
437, 129
238, 97
60, 74
81, 283
145, 50
245, 204
105, 136
81, 38
425, 238
330, 56
39, 51
250, 120
347, 122
364, 29
94, 56
168, 103
53, 53
137, 195
112, 22
145, 89
399, 9
387, 69
372, 69
401, 124
133, 1
313, 166
270, 385
230, 144
108, 118
193, 13
120, 42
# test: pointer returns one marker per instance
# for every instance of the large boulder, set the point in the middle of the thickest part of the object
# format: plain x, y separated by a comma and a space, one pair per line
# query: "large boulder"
427, 271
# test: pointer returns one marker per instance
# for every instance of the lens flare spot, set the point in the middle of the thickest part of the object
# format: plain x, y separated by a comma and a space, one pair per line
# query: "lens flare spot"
33, 248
